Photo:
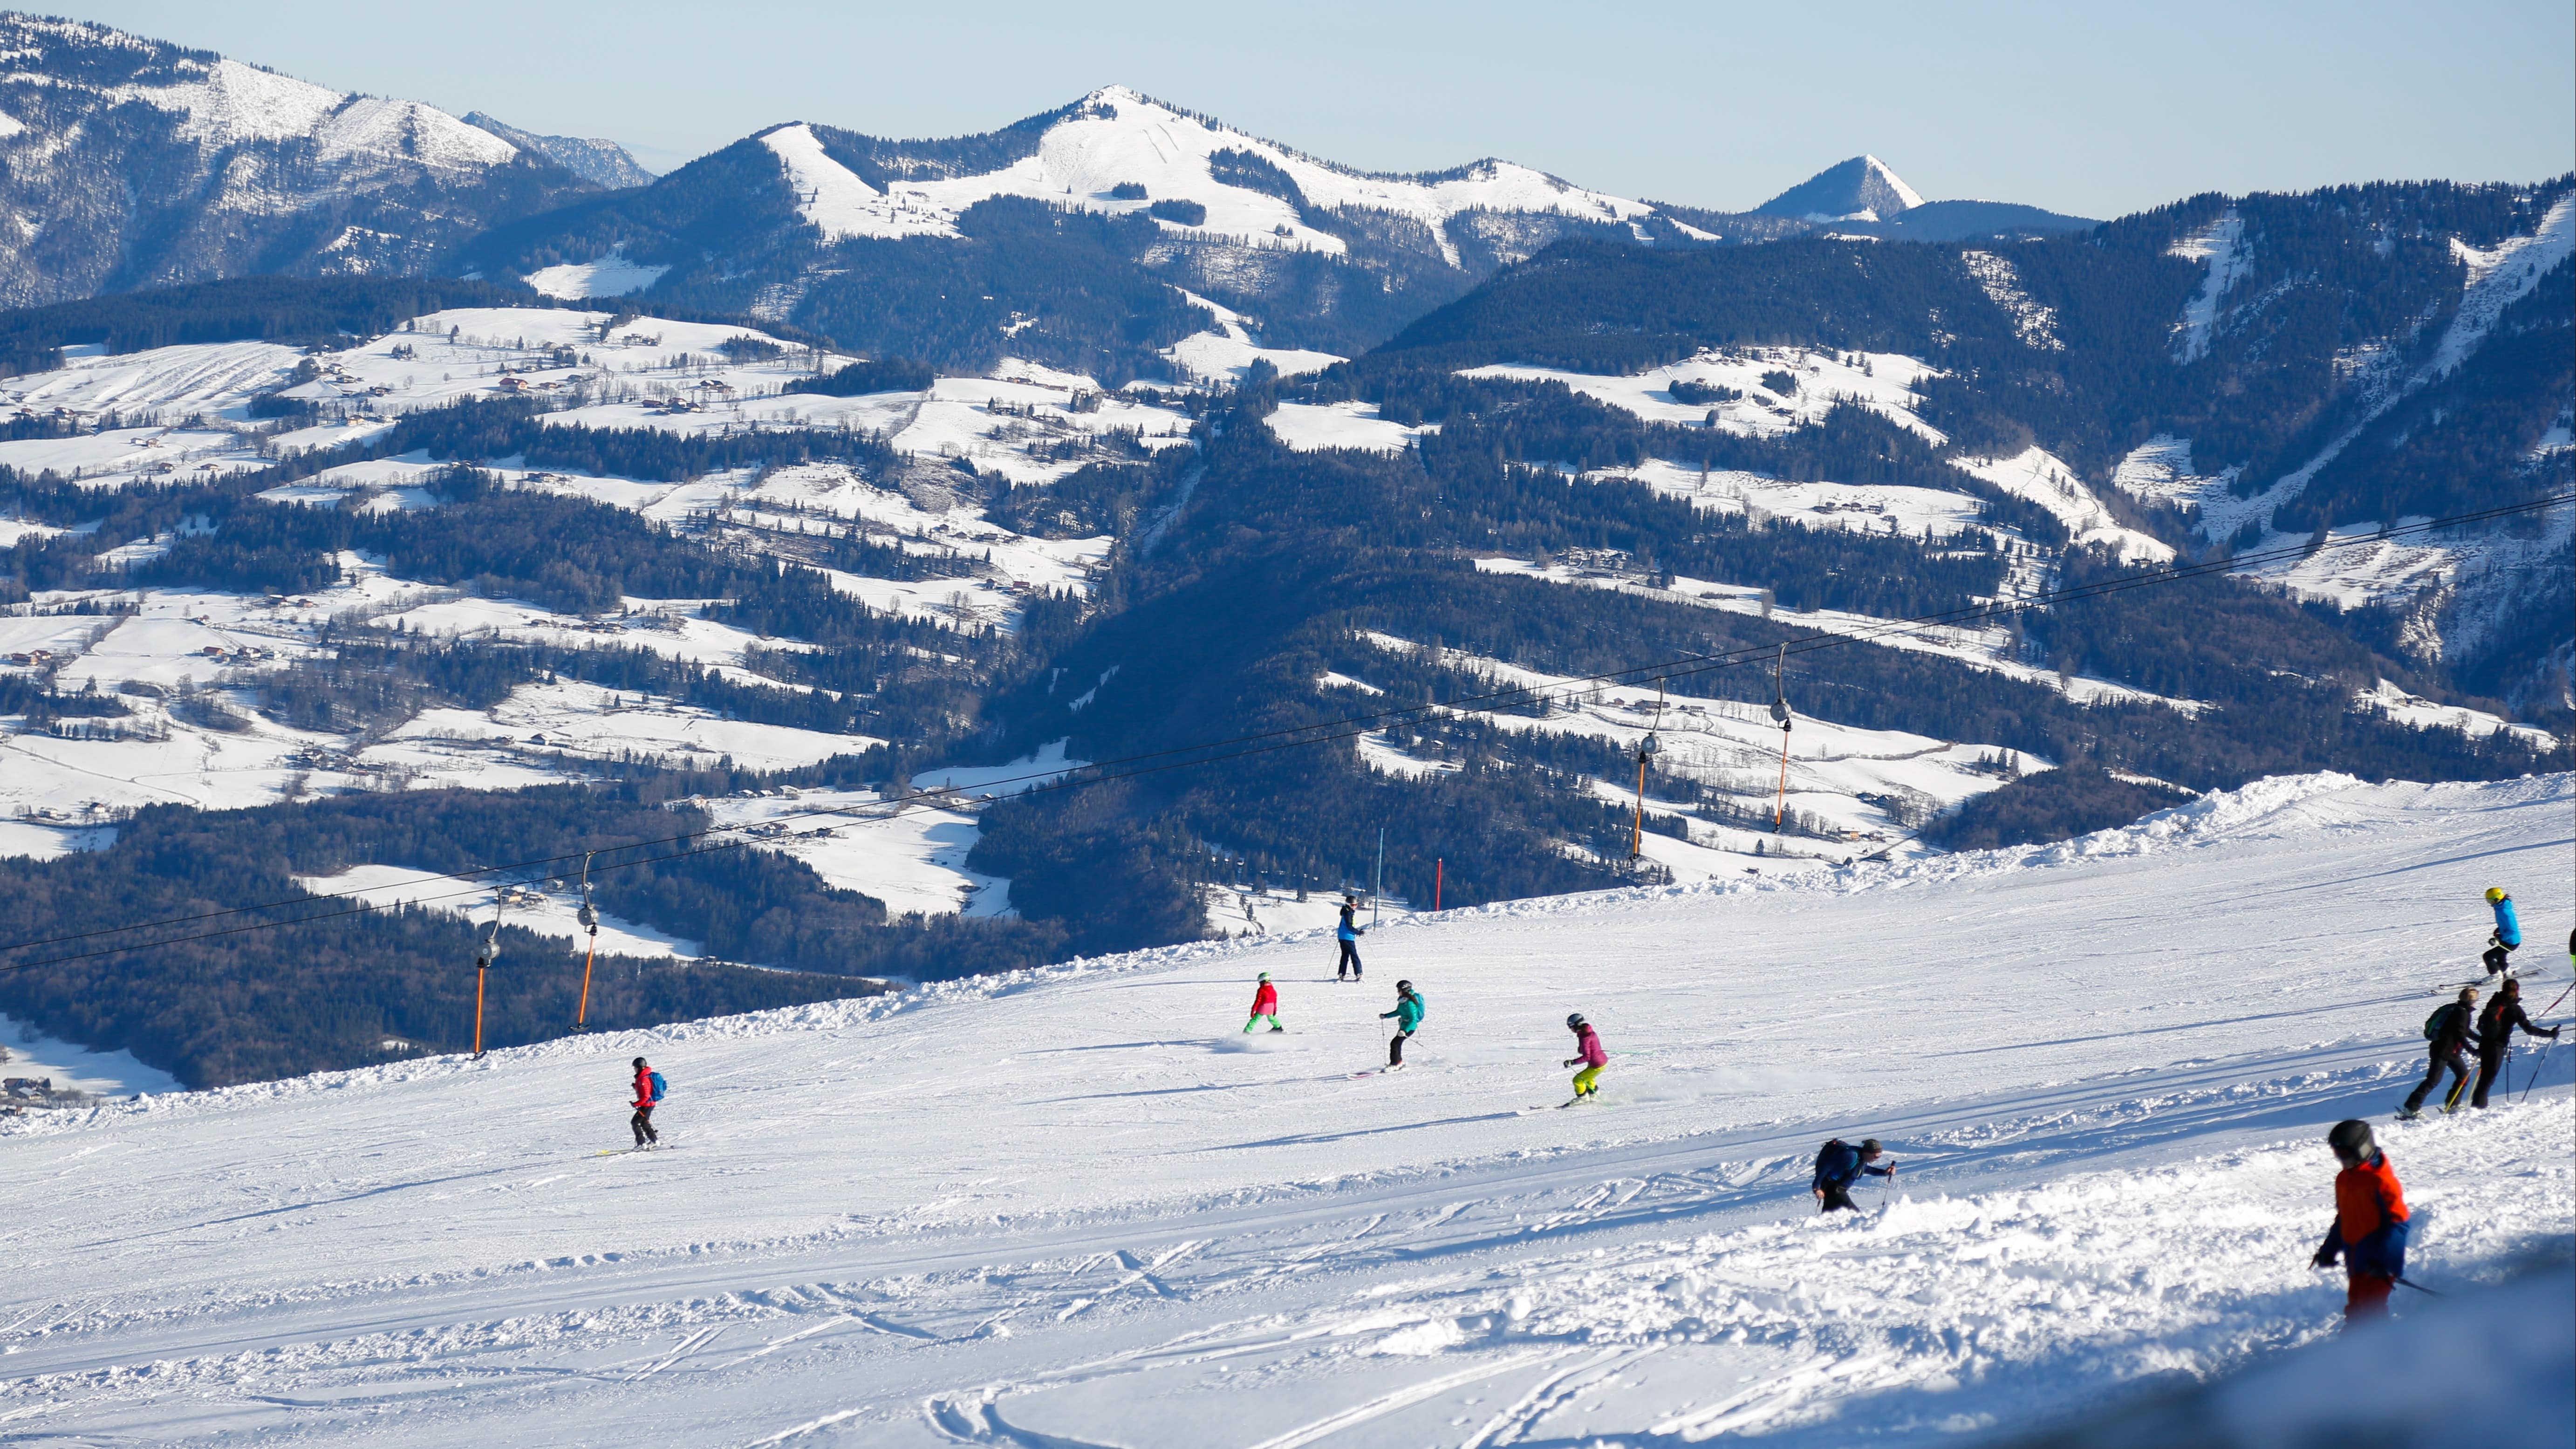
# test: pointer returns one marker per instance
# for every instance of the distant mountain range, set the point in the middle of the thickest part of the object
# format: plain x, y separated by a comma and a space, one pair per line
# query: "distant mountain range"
129, 163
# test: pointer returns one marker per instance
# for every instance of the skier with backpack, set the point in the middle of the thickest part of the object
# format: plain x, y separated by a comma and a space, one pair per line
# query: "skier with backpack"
2449, 1029
1408, 1020
1265, 1005
1349, 933
2370, 1226
2507, 934
2495, 1036
648, 1092
1587, 1052
1838, 1166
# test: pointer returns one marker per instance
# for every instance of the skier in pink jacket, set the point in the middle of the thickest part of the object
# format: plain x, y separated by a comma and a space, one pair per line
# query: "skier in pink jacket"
1588, 1051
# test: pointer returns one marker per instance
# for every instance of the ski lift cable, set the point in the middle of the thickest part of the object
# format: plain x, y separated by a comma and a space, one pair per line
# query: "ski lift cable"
1049, 781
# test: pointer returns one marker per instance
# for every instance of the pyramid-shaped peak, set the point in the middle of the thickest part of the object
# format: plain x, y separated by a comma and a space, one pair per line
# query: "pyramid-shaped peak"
1860, 189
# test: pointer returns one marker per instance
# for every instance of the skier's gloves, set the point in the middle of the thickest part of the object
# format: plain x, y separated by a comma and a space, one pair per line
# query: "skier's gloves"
2325, 1258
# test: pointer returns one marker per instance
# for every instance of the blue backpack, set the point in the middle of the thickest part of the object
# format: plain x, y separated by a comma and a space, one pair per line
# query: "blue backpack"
659, 1086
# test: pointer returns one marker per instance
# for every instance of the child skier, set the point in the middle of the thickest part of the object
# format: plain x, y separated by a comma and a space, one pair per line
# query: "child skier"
2449, 1030
1408, 1020
648, 1090
1838, 1166
1265, 1006
2507, 933
1587, 1050
2370, 1226
2495, 1036
1349, 933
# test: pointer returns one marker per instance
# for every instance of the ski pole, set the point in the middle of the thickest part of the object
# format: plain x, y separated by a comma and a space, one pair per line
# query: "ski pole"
2420, 1288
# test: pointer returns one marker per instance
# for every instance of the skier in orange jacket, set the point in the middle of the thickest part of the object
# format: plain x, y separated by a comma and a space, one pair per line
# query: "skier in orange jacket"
2370, 1226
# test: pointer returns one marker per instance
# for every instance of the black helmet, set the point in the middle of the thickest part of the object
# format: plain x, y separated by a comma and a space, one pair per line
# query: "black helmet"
2350, 1140
639, 1064
1576, 1020
1404, 986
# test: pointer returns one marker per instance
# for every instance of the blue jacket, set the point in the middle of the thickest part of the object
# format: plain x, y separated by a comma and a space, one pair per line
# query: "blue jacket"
2508, 926
1347, 931
1839, 1165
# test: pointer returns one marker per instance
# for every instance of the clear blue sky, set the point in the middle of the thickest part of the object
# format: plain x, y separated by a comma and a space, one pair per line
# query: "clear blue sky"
2091, 109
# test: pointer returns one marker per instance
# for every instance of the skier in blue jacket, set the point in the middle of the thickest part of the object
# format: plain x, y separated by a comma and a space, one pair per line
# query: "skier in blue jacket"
1349, 933
2507, 934
1838, 1166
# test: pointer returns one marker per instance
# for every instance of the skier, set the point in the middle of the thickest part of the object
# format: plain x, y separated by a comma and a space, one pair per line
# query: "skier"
1408, 1020
2507, 933
2495, 1036
2370, 1226
1587, 1051
648, 1090
2448, 1030
1349, 933
1265, 1005
1838, 1166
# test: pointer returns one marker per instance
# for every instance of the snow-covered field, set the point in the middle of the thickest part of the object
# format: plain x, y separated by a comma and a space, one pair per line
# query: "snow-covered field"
1079, 1207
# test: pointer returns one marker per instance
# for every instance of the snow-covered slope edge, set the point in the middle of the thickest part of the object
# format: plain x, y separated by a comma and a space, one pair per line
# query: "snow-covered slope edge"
1078, 1205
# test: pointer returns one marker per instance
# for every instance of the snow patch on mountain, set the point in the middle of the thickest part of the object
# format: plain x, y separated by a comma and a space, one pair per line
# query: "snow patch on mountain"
2159, 471
550, 913
2389, 699
1883, 382
1227, 351
2222, 245
609, 276
1315, 427
2036, 476
2034, 324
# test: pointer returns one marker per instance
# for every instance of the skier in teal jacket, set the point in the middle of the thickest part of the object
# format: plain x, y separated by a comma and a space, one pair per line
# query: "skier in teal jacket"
1408, 1020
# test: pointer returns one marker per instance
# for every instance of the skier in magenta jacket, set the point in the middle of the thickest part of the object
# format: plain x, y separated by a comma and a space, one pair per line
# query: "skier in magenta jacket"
1588, 1051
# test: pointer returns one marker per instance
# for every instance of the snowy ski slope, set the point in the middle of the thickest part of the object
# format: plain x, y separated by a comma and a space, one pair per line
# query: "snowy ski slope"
1077, 1207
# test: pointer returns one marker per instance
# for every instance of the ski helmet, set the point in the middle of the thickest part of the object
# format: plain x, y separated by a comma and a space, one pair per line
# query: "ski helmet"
639, 1064
2350, 1140
1265, 975
2494, 894
1575, 1021
1404, 986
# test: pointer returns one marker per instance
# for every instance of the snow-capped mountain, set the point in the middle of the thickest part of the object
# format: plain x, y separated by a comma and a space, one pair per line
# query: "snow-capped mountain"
601, 162
1860, 189
126, 162
1123, 192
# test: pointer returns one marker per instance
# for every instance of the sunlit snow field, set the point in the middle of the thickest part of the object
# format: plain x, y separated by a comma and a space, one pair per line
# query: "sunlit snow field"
1078, 1206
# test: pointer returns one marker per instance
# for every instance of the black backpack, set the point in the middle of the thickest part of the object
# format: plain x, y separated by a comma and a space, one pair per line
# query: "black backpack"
1819, 1174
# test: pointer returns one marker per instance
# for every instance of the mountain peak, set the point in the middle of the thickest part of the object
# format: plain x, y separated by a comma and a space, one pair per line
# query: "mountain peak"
1860, 189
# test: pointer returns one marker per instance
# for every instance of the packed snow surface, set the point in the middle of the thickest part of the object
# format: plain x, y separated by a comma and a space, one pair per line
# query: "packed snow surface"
1080, 1206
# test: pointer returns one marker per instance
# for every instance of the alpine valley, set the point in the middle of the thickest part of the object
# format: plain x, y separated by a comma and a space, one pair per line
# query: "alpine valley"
847, 562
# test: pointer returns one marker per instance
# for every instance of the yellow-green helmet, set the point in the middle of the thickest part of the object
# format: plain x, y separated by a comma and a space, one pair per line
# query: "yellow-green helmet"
2494, 894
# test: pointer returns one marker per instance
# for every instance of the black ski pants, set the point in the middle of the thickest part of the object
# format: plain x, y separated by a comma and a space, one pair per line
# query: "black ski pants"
2498, 956
1395, 1049
1350, 961
2490, 1065
1838, 1198
642, 1122
2451, 1062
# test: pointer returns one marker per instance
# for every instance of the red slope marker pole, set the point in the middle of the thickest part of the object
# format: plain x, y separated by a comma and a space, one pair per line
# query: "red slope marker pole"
1439, 872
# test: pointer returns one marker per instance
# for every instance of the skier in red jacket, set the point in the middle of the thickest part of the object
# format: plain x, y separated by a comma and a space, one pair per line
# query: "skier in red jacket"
1265, 1006
642, 1122
2370, 1225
